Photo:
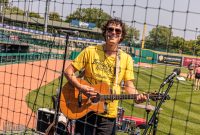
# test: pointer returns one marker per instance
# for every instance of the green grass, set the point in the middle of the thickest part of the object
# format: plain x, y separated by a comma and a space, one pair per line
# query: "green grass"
22, 132
179, 115
41, 98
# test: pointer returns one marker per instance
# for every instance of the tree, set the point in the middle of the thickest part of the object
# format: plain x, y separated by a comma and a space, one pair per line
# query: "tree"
189, 47
133, 33
33, 14
177, 44
197, 46
54, 16
159, 38
4, 3
92, 15
14, 10
198, 40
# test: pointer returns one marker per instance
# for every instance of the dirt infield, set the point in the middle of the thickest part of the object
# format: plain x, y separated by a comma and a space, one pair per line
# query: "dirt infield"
17, 80
146, 65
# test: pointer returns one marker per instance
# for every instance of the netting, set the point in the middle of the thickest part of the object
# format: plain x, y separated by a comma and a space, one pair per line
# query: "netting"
35, 50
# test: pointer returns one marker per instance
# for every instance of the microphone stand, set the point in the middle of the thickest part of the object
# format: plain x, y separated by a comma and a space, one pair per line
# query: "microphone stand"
60, 84
154, 119
155, 125
147, 110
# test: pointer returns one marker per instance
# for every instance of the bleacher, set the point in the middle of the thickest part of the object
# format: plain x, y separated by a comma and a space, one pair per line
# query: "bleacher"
25, 39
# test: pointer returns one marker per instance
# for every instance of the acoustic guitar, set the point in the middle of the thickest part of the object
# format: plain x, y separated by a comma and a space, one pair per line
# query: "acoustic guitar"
75, 105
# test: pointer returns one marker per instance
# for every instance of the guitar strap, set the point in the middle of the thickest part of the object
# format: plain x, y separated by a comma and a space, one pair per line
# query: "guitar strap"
117, 68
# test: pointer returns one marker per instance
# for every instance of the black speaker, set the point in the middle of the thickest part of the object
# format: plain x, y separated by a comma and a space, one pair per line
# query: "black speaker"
44, 118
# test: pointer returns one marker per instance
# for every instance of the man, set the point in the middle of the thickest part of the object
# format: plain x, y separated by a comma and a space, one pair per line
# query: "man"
104, 63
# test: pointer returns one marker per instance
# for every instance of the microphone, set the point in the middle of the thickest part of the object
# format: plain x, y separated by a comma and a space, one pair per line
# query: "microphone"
176, 72
69, 32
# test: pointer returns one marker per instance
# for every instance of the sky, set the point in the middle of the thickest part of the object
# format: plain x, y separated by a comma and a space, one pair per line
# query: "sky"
183, 16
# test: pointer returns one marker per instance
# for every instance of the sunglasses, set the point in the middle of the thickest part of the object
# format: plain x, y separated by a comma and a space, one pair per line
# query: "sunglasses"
117, 31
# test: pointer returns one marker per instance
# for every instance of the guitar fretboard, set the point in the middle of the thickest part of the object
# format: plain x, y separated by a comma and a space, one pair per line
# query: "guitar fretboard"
118, 97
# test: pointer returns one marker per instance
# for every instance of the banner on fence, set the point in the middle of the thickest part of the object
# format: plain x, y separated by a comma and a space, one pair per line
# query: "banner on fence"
187, 60
175, 60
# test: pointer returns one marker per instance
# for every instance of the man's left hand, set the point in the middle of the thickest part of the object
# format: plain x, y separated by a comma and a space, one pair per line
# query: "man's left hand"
140, 98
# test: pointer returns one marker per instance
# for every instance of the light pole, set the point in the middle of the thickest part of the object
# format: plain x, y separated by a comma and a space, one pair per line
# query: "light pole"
195, 42
113, 13
26, 12
46, 15
2, 12
169, 38
143, 35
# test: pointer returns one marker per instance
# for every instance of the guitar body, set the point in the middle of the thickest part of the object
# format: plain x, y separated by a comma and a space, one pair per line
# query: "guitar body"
69, 100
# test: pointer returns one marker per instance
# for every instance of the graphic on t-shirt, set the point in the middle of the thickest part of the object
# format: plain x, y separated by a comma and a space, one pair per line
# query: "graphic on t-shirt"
105, 67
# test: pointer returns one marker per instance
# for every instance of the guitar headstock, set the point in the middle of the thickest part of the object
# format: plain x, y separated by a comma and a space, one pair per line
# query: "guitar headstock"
158, 96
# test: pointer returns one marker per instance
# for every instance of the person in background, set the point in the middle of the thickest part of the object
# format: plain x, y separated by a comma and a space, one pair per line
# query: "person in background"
104, 63
197, 77
191, 67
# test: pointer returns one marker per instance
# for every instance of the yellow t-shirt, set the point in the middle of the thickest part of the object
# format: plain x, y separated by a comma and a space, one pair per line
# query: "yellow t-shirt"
101, 68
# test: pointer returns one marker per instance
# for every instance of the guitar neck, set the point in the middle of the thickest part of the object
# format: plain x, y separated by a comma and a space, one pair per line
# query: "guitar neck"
118, 96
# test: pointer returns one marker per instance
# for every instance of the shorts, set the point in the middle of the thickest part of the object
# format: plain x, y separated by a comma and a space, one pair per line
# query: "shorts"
197, 75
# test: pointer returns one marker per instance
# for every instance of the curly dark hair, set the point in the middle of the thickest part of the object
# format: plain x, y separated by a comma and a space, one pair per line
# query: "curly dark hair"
114, 21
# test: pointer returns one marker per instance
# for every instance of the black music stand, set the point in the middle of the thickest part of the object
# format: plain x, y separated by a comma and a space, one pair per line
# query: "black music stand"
57, 106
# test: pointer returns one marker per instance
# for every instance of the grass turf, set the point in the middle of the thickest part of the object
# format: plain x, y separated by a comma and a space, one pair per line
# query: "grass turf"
178, 117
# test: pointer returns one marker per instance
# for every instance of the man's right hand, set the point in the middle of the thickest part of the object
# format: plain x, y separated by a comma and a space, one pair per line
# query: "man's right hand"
87, 90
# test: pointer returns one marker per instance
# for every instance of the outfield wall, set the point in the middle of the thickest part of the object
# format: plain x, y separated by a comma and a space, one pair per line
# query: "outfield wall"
152, 57
138, 55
